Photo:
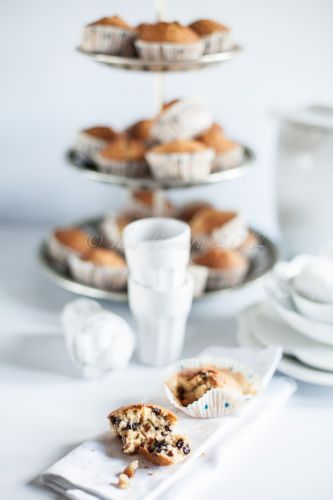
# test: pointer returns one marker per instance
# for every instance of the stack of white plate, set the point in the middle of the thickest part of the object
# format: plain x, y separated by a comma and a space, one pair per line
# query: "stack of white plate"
303, 327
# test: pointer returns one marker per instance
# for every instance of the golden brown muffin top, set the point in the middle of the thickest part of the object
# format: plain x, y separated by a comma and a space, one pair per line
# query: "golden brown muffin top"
124, 149
188, 211
145, 197
104, 257
72, 237
220, 258
226, 145
102, 132
204, 27
213, 137
141, 130
179, 146
116, 21
167, 33
208, 219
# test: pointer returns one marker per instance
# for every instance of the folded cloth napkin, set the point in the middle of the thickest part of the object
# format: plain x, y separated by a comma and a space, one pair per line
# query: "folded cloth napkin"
90, 471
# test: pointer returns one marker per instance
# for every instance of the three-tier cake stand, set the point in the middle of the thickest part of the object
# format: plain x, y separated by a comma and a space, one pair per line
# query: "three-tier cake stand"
266, 252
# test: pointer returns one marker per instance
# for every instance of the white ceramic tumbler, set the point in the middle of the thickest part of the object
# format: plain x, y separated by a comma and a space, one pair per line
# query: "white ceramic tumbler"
161, 320
157, 252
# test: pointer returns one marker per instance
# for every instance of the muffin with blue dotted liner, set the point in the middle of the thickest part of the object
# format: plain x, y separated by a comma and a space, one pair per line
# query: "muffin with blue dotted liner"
124, 157
109, 35
215, 36
229, 154
100, 267
181, 119
225, 268
185, 160
92, 140
210, 387
164, 41
65, 241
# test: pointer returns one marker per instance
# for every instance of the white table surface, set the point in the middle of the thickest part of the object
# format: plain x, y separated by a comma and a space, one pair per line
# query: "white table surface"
46, 409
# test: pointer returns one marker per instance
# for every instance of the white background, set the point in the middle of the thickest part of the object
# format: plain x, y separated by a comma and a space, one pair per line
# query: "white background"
48, 91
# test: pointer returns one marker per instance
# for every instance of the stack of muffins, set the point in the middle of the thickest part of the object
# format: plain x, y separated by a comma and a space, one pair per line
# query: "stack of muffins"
222, 245
161, 41
181, 143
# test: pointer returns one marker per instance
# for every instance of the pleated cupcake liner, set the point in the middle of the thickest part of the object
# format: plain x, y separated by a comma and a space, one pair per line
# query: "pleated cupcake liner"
183, 120
121, 167
89, 146
111, 233
170, 52
107, 40
184, 166
219, 402
217, 42
90, 274
57, 251
229, 159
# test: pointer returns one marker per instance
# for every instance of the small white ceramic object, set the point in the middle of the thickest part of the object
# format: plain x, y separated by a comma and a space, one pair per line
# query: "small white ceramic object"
284, 306
269, 329
289, 366
318, 311
157, 252
97, 340
161, 320
218, 402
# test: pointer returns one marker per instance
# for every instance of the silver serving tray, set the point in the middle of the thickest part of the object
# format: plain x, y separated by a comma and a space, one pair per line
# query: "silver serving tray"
263, 259
89, 169
137, 64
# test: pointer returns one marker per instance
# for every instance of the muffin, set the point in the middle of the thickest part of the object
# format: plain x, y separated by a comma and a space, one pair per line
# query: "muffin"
167, 42
113, 226
210, 386
141, 131
211, 227
92, 140
99, 267
215, 36
63, 242
109, 35
226, 268
149, 204
181, 119
229, 154
124, 157
184, 160
147, 429
189, 210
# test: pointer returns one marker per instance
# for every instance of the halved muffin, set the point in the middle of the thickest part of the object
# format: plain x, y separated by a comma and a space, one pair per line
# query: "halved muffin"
147, 429
164, 41
180, 159
109, 35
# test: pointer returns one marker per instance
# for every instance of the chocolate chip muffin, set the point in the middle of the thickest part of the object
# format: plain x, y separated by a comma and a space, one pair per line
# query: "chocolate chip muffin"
191, 384
147, 429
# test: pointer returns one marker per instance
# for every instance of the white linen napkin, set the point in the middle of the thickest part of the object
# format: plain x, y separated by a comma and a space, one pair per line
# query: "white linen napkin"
90, 471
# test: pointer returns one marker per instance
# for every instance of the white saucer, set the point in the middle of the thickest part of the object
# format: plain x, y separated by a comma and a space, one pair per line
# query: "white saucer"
269, 330
288, 366
282, 304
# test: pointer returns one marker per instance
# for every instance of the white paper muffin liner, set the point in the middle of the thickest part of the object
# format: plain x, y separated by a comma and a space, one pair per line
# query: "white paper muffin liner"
57, 251
218, 402
88, 145
231, 235
183, 120
121, 167
185, 166
111, 233
217, 279
171, 52
88, 273
107, 40
230, 159
248, 248
217, 42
